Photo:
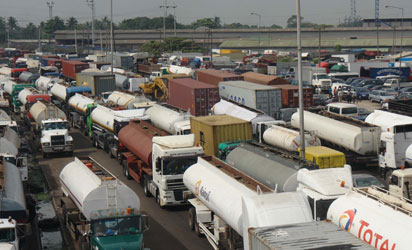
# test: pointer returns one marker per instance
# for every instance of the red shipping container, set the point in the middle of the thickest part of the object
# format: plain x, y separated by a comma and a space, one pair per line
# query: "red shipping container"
199, 97
54, 62
70, 68
290, 96
213, 76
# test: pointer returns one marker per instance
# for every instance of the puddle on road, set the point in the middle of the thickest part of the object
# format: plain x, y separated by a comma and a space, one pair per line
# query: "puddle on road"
50, 234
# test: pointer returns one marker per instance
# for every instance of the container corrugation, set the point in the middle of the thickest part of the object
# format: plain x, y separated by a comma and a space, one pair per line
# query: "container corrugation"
54, 62
97, 82
210, 131
189, 94
214, 77
263, 79
71, 67
290, 96
265, 98
148, 69
309, 235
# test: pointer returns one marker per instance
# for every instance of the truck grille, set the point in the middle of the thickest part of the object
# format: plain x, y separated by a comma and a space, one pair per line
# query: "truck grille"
178, 194
57, 140
175, 184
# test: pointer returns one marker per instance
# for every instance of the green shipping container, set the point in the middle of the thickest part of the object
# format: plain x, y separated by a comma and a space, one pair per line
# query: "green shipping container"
97, 82
210, 131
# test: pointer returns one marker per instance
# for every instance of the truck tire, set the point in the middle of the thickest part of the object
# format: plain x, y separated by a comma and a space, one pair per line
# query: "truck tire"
191, 218
158, 199
126, 170
146, 187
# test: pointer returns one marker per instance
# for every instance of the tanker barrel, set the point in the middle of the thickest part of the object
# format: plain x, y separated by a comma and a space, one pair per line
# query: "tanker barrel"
266, 167
43, 111
137, 137
86, 182
122, 82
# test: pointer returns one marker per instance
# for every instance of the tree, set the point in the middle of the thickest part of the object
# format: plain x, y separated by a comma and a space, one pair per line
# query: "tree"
30, 31
275, 26
211, 23
2, 30
292, 21
54, 24
71, 23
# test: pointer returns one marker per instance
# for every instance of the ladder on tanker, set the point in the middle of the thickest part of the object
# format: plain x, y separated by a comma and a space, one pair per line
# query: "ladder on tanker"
111, 192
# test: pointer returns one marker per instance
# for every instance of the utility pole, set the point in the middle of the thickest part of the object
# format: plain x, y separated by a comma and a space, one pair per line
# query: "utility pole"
50, 5
174, 17
111, 37
8, 37
39, 38
75, 40
301, 118
165, 7
260, 19
90, 3
101, 41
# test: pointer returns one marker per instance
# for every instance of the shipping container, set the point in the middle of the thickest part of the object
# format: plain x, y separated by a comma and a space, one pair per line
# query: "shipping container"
214, 77
325, 157
290, 96
263, 79
96, 81
55, 62
210, 131
71, 67
123, 61
148, 68
265, 98
308, 235
189, 94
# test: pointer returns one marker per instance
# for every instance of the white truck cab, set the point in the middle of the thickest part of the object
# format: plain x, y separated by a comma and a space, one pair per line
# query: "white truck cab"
154, 75
55, 137
9, 239
345, 109
322, 81
172, 155
401, 183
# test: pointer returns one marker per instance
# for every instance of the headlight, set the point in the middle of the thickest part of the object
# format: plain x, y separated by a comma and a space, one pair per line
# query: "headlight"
69, 142
46, 144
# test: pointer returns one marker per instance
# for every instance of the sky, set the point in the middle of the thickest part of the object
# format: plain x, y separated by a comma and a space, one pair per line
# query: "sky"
187, 11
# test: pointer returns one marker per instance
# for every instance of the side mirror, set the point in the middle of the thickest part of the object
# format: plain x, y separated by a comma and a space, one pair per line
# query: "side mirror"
145, 221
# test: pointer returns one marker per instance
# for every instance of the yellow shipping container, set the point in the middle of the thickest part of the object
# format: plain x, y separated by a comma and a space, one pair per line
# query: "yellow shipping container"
210, 131
230, 51
325, 157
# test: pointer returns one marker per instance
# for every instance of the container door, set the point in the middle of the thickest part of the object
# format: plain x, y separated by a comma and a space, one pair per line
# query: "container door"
275, 102
262, 101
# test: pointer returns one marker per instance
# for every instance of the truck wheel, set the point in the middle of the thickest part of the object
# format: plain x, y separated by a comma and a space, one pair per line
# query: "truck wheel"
126, 170
146, 187
191, 216
158, 199
111, 154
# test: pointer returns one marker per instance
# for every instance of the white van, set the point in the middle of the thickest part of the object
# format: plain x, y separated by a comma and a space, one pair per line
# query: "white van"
345, 109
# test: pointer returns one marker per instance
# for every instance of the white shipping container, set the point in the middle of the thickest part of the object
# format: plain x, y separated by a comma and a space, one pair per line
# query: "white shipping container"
265, 98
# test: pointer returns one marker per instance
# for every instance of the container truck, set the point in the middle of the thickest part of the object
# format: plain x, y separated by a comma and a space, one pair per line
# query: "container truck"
265, 98
156, 160
96, 81
98, 209
228, 202
194, 96
71, 67
374, 216
358, 140
105, 124
210, 131
126, 100
51, 122
173, 120
317, 77
395, 138
61, 94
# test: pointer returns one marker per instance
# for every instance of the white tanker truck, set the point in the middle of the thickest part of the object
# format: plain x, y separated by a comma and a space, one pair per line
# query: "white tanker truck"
126, 100
106, 123
99, 208
228, 202
171, 119
52, 124
358, 140
80, 108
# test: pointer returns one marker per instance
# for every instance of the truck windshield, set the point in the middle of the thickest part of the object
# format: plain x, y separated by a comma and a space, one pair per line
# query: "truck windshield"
11, 160
117, 226
7, 235
323, 77
348, 111
55, 125
174, 166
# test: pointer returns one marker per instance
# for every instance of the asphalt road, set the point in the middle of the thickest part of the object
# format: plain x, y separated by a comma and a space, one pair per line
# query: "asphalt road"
168, 226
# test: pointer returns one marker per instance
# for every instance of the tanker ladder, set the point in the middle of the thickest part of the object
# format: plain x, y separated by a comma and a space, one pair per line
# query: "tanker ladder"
385, 197
285, 154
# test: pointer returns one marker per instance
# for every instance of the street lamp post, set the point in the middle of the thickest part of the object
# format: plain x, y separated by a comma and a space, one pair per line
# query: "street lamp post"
260, 20
111, 37
301, 119
401, 46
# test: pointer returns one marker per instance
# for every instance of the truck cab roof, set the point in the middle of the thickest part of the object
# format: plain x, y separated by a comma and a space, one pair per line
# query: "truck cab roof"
7, 223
